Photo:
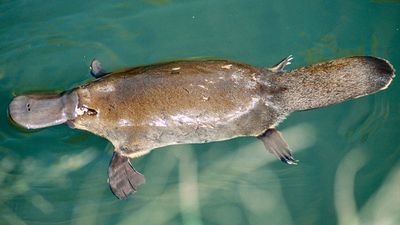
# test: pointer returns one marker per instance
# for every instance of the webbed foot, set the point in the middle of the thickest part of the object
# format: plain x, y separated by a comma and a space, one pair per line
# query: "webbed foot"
96, 70
281, 65
274, 142
122, 177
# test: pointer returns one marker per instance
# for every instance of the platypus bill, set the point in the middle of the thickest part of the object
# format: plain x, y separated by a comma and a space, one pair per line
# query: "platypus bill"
147, 107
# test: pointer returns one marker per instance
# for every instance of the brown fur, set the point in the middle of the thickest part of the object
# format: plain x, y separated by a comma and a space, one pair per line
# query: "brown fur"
216, 100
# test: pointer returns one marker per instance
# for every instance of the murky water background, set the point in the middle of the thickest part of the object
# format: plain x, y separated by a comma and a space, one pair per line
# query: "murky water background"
349, 171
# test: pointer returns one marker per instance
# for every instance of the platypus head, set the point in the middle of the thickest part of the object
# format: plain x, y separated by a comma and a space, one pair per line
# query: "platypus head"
41, 110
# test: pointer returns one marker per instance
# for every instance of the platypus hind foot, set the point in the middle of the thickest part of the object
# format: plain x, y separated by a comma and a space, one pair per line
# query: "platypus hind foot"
281, 65
274, 142
122, 177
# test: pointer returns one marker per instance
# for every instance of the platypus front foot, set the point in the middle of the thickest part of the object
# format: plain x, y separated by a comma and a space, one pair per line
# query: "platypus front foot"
122, 177
96, 69
274, 143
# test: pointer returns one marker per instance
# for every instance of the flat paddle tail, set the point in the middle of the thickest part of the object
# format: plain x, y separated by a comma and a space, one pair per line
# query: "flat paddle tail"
331, 82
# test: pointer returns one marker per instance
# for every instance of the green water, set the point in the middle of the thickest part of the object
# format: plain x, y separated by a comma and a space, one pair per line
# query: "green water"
349, 171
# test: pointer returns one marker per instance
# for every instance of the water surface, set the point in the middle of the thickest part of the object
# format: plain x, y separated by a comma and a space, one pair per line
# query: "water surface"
349, 170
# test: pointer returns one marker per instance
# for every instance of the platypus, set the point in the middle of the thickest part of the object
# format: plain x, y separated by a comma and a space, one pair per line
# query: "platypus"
198, 101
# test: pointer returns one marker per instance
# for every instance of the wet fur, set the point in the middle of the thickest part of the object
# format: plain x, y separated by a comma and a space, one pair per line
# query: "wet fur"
154, 106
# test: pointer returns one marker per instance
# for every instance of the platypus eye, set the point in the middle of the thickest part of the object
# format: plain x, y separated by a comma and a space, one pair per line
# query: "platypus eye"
91, 112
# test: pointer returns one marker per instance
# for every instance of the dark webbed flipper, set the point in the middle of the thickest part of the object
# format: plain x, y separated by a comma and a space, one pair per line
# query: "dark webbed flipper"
96, 70
274, 142
122, 177
281, 65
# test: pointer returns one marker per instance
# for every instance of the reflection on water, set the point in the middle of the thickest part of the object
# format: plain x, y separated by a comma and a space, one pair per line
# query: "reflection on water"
344, 187
349, 169
20, 176
381, 208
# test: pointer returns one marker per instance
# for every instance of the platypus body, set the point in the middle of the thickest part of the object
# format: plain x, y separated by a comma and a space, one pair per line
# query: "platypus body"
148, 107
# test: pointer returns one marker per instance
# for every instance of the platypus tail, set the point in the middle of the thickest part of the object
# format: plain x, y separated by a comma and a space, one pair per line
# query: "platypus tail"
331, 82
41, 110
